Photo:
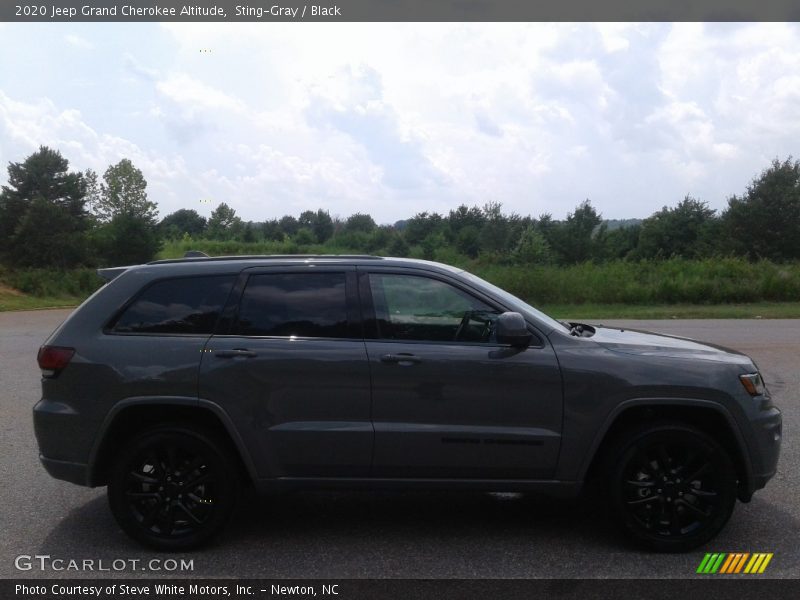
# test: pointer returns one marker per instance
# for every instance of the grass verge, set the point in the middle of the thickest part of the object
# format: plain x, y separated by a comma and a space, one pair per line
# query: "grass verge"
755, 310
11, 299
23, 302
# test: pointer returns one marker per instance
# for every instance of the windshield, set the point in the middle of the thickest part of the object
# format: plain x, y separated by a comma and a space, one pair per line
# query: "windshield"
515, 302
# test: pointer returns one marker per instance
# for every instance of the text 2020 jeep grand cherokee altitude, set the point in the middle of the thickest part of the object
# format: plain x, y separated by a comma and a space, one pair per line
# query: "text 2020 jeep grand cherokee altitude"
180, 380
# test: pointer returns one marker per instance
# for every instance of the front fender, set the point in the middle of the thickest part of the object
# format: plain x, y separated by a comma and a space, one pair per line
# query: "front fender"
590, 452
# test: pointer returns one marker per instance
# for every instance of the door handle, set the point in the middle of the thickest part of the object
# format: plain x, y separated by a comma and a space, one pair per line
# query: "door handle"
236, 352
400, 359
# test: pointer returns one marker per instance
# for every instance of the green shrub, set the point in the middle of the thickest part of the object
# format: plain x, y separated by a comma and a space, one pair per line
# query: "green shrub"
645, 282
53, 283
674, 281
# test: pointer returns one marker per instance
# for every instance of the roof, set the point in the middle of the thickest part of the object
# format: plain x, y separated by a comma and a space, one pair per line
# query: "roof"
193, 256
189, 264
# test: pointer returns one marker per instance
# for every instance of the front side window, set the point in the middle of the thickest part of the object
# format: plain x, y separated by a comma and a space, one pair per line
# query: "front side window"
182, 305
410, 307
294, 304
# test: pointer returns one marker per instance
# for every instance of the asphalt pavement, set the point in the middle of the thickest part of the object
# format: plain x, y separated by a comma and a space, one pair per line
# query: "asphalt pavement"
397, 535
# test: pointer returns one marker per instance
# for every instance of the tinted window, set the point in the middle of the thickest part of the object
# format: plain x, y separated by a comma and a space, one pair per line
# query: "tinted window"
184, 305
408, 307
294, 304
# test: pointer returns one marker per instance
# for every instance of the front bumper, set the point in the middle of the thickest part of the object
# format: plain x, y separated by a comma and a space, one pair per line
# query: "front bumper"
767, 431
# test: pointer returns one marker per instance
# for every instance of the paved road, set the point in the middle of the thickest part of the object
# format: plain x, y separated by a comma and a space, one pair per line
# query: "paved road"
390, 535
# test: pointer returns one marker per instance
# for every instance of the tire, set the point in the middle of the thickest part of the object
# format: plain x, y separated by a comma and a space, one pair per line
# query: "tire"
670, 487
173, 487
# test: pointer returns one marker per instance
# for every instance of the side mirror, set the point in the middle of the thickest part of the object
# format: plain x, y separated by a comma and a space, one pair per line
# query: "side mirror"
511, 329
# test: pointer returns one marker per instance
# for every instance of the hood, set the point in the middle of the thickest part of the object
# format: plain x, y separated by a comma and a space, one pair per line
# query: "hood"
645, 343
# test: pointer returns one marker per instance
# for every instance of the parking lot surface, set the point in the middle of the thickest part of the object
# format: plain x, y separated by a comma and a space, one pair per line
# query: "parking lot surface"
415, 535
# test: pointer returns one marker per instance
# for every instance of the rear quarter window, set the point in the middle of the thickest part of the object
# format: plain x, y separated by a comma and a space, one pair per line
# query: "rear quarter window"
184, 305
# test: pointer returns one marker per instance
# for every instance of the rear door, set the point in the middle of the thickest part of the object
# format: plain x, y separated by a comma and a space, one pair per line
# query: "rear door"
290, 369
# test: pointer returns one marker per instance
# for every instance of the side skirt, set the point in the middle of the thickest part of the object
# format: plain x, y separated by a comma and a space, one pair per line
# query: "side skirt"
558, 489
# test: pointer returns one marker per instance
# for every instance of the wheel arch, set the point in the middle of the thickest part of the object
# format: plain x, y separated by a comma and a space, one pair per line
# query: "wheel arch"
709, 417
133, 415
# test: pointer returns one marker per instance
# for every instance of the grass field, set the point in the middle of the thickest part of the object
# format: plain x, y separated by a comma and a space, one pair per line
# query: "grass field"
756, 310
42, 288
11, 299
709, 281
675, 288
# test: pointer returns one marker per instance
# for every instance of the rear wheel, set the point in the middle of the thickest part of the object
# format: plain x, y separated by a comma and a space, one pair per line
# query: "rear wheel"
672, 487
173, 487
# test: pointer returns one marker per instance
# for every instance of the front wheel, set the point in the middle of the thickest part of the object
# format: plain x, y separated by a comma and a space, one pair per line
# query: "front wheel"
671, 487
173, 487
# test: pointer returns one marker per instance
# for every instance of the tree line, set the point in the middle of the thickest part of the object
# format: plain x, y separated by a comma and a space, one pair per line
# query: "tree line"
53, 217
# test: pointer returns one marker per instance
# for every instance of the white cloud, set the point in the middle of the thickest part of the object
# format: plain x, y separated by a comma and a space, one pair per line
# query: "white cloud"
137, 68
24, 127
734, 96
192, 94
400, 118
614, 35
78, 41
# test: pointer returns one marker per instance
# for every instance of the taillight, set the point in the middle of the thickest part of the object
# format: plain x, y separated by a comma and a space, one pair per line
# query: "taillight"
52, 359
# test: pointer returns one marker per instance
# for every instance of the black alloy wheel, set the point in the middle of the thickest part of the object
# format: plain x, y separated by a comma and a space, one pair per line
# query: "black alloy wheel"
173, 487
673, 487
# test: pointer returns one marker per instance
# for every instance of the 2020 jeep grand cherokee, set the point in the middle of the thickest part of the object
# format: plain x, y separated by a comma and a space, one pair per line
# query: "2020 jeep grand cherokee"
180, 380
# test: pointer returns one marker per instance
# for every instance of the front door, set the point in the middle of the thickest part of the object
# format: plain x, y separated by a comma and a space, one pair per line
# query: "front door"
448, 401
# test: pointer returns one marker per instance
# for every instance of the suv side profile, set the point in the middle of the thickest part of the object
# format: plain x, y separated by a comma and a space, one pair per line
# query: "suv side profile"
181, 380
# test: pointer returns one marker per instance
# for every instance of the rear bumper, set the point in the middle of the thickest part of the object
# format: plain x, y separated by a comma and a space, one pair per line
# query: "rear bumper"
64, 437
77, 473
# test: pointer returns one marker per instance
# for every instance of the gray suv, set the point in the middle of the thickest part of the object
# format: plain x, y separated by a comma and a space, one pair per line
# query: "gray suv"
180, 381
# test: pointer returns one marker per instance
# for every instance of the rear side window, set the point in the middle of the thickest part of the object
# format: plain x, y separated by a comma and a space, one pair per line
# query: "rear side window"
294, 304
182, 305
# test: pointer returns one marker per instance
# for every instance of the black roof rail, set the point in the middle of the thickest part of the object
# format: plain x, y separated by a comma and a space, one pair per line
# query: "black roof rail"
204, 258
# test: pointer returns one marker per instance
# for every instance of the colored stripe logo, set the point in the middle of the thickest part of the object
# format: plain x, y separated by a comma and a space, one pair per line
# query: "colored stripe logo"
731, 563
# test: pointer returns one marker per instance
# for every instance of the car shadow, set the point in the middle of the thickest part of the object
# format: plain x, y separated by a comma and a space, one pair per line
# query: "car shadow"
415, 534
416, 514
404, 534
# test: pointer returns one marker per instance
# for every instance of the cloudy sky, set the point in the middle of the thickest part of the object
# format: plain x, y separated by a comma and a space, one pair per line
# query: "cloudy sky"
394, 119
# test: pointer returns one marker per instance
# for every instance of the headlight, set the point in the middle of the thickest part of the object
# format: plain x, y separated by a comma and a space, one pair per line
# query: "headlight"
753, 383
